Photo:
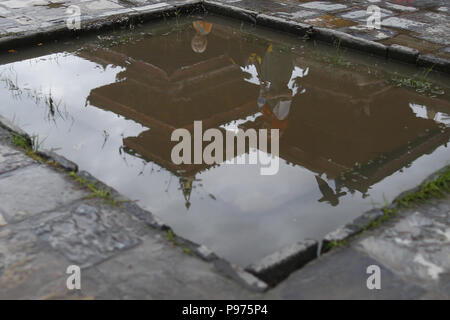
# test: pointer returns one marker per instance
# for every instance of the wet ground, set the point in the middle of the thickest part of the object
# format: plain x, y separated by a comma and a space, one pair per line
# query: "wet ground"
351, 138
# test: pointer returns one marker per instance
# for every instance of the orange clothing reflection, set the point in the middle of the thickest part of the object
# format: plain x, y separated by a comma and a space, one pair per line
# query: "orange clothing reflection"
277, 89
199, 41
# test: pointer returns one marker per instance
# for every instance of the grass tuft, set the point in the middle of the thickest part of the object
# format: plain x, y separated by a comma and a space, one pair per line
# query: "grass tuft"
95, 192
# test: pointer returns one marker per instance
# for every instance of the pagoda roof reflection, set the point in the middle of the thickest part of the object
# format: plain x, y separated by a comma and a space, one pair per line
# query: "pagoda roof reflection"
347, 126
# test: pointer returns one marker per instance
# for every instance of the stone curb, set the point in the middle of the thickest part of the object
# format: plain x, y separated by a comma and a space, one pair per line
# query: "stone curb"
283, 25
63, 162
402, 53
349, 41
230, 11
351, 229
11, 127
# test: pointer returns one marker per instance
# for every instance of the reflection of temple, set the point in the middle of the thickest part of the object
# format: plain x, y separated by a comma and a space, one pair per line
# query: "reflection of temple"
349, 127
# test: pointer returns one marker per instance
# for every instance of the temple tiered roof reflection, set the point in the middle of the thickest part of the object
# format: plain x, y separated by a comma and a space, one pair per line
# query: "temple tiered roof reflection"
343, 126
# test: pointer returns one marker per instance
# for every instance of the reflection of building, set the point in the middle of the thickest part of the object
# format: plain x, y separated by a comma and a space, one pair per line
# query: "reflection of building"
354, 130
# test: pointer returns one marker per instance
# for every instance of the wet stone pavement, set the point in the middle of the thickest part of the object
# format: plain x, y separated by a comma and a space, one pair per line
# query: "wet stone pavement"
48, 221
420, 24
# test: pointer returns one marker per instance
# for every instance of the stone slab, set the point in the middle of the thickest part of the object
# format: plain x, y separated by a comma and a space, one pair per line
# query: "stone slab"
89, 232
416, 245
11, 159
34, 189
156, 270
342, 274
26, 265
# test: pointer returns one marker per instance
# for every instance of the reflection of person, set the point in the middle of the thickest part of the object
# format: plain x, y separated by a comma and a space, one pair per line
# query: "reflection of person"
199, 42
275, 96
431, 113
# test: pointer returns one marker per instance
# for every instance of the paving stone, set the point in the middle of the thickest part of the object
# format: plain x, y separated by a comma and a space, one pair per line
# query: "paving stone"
230, 11
260, 5
34, 189
416, 245
411, 42
402, 23
152, 6
296, 15
370, 34
11, 159
324, 6
436, 28
282, 24
93, 286
443, 53
330, 21
399, 7
362, 15
25, 265
429, 3
342, 274
154, 270
102, 5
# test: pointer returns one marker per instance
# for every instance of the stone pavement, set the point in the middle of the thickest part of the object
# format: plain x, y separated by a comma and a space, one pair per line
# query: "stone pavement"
48, 221
420, 24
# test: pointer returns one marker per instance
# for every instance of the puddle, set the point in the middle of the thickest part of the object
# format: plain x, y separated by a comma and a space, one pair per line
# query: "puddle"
349, 141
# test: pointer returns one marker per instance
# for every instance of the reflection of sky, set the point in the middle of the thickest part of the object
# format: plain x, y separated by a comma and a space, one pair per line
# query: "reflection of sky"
423, 112
235, 211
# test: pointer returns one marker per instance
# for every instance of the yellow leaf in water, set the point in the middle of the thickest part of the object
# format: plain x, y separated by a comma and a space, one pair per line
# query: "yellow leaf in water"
11, 50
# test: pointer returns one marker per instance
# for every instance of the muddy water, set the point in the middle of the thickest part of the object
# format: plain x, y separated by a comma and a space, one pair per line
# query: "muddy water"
349, 140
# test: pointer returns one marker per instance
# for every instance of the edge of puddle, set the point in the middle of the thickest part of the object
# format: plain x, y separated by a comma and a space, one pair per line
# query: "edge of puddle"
272, 269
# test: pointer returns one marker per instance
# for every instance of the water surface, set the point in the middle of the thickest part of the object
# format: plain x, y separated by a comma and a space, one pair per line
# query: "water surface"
350, 140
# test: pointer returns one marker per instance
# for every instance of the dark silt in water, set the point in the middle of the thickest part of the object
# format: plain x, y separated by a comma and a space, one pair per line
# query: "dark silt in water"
349, 139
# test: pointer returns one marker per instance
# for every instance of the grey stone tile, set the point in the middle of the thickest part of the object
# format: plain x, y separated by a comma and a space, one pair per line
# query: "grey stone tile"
157, 270
403, 23
89, 232
416, 245
341, 274
327, 6
11, 159
25, 265
34, 189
